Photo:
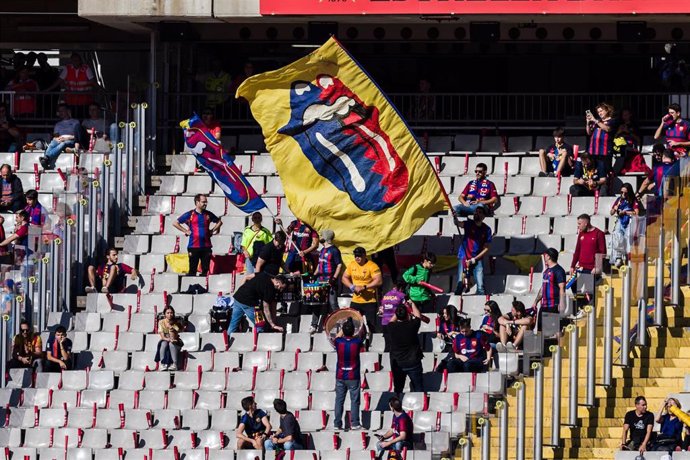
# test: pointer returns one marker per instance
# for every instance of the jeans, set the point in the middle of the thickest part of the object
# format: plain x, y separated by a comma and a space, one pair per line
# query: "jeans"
477, 271
290, 445
169, 353
238, 311
398, 446
463, 210
414, 373
196, 254
248, 266
55, 148
621, 240
341, 387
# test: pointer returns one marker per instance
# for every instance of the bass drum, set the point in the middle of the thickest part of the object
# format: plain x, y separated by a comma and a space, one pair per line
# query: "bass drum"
334, 322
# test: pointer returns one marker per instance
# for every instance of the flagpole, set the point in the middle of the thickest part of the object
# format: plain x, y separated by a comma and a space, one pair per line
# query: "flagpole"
292, 243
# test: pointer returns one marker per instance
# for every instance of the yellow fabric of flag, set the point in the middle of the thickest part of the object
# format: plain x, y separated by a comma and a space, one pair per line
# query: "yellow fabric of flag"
346, 159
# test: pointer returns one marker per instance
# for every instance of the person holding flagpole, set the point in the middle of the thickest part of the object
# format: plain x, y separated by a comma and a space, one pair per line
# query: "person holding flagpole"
362, 277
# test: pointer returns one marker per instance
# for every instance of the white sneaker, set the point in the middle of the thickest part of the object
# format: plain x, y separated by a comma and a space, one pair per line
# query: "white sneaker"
501, 348
164, 367
312, 330
90, 289
510, 347
356, 428
580, 314
104, 290
172, 367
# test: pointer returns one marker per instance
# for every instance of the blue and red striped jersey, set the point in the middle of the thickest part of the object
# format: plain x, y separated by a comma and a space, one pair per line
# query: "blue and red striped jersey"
473, 346
476, 236
678, 131
329, 258
550, 293
489, 324
403, 424
347, 365
302, 235
446, 327
37, 214
601, 142
199, 224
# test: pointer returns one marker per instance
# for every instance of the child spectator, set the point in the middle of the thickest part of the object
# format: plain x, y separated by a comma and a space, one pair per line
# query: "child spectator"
36, 211
513, 326
253, 426
58, 352
170, 345
109, 276
12, 198
289, 435
471, 350
20, 237
557, 159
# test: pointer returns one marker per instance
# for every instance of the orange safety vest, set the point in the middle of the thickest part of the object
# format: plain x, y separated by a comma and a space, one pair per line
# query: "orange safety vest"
77, 81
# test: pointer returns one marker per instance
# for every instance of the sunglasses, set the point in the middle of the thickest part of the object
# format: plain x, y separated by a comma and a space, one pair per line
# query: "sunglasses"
24, 330
479, 171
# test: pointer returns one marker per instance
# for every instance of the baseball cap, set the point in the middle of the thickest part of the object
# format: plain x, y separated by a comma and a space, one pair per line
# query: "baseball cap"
552, 253
327, 236
359, 252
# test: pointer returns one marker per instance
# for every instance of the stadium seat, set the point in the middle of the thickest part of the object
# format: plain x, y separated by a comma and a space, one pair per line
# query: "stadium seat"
466, 143
182, 164
152, 399
520, 144
517, 285
198, 183
212, 381
172, 185
518, 185
203, 359
492, 145
530, 166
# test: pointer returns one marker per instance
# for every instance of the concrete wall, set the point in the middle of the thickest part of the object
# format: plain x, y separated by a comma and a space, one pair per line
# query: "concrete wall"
152, 10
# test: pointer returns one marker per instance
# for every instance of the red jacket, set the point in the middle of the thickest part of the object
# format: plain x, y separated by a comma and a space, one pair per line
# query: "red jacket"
589, 243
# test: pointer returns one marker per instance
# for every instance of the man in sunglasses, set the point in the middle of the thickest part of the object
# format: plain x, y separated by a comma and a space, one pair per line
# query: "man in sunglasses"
480, 192
27, 349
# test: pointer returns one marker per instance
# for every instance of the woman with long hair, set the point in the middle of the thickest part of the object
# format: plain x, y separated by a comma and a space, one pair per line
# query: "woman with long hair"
624, 208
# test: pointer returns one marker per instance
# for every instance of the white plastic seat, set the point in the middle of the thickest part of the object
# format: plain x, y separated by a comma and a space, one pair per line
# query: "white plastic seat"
453, 166
530, 166
195, 419
166, 282
379, 381
19, 378
323, 381
152, 399
531, 206
473, 161
136, 244
270, 342
102, 341
234, 399
226, 360
180, 399
544, 242
40, 438
143, 361
220, 284
128, 399
149, 225
583, 205
209, 400
325, 440
323, 400
540, 225
199, 323
22, 418
108, 419
171, 185
309, 360
212, 341
115, 321
517, 285
255, 359
509, 226
242, 342
24, 453
126, 439
101, 380
566, 225
414, 401
548, 186
10, 437
95, 439
74, 380
284, 360
519, 185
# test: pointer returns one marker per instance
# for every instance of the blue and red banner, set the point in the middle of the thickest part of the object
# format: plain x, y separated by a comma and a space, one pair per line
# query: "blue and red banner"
218, 163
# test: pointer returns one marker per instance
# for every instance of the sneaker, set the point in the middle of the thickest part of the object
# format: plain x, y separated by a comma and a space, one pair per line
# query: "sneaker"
164, 367
172, 367
550, 175
580, 314
356, 428
510, 347
337, 428
501, 348
542, 174
104, 290
44, 162
312, 330
90, 289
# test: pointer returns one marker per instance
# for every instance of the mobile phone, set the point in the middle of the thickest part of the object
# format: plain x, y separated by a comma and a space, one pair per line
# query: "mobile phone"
588, 113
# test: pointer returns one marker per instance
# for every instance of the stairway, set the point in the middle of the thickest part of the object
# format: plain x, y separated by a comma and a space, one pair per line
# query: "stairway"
655, 372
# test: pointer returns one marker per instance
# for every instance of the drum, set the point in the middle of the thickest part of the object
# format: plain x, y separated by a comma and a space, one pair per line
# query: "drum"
315, 293
335, 320
293, 289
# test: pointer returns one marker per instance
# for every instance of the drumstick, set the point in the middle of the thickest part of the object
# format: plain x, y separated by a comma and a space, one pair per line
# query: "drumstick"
422, 316
431, 287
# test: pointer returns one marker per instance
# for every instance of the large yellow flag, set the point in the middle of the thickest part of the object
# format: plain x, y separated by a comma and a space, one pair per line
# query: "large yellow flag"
345, 157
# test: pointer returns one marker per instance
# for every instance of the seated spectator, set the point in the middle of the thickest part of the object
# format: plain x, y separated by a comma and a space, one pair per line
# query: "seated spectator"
448, 326
649, 183
289, 435
662, 173
639, 423
590, 176
100, 128
7, 300
58, 352
12, 198
254, 237
490, 325
471, 350
109, 277
557, 159
675, 131
478, 193
66, 134
512, 327
25, 88
670, 428
10, 136
401, 432
473, 247
253, 427
170, 345
27, 349
36, 211
624, 208
209, 120
629, 128
20, 237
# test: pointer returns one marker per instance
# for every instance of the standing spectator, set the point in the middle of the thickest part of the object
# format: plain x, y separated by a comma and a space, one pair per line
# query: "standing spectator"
66, 134
390, 302
199, 231
625, 206
253, 427
473, 247
289, 435
421, 272
254, 238
590, 242
328, 270
12, 198
27, 349
401, 432
247, 71
10, 136
425, 102
217, 84
304, 241
270, 258
448, 326
629, 128
58, 352
601, 133
259, 293
557, 159
79, 83
109, 277
471, 350
46, 76
670, 433
513, 326
20, 237
347, 374
552, 291
639, 423
405, 353
478, 193
25, 89
209, 120
169, 345
36, 211
362, 277
589, 176
386, 257
675, 131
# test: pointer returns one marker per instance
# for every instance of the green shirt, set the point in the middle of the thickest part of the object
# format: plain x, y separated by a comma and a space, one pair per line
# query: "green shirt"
251, 236
414, 275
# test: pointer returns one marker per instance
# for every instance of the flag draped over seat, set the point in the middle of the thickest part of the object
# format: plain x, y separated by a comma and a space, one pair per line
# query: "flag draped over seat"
345, 157
218, 163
